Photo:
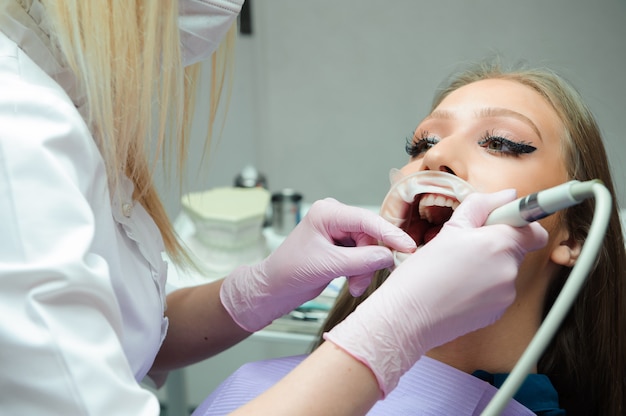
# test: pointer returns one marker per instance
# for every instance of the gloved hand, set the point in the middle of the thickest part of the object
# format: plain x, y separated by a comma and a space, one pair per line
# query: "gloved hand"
460, 281
332, 240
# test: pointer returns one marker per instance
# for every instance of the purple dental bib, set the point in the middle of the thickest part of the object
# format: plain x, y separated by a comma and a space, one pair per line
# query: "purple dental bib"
428, 388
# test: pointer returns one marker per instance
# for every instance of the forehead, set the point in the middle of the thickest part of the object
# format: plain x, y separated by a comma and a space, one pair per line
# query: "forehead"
498, 93
484, 96
503, 91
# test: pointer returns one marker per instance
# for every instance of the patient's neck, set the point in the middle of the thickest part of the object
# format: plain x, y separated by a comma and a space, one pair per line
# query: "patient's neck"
496, 348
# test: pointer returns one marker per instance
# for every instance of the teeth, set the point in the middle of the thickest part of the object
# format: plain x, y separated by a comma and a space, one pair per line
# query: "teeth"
431, 200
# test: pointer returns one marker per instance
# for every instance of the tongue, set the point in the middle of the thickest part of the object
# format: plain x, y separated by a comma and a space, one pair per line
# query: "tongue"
431, 233
438, 215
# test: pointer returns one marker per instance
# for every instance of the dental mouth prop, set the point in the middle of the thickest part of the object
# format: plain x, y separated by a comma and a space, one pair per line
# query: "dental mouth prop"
518, 213
449, 191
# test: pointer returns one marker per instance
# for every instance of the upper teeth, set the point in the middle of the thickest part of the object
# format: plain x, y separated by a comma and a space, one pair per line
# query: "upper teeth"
430, 200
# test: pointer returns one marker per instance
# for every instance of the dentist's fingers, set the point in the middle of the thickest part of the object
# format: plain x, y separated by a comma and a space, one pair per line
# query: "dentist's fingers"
475, 209
332, 240
530, 237
355, 223
358, 284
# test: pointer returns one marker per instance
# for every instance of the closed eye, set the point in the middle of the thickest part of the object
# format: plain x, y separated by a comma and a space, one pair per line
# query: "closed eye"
417, 146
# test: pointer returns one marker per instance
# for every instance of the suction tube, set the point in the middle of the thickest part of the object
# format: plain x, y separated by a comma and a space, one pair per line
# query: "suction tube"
570, 290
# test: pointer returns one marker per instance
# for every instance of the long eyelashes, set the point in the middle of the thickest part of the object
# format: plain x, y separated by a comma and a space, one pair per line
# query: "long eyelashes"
491, 142
415, 148
498, 144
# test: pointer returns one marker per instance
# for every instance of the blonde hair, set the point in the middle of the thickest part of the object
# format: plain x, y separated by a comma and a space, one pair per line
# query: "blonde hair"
127, 59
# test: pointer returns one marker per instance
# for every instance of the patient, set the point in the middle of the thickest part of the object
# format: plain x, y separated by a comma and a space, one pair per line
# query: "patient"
497, 129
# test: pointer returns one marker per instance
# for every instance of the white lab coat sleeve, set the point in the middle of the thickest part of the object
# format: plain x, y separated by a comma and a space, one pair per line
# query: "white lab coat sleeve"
203, 24
60, 322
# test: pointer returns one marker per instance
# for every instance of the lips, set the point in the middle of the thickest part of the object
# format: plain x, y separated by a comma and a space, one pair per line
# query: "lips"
427, 215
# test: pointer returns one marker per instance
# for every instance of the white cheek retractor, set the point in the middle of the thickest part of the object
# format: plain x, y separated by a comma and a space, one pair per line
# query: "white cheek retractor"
404, 188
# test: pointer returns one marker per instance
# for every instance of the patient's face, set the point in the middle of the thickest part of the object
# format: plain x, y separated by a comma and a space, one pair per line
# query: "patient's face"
495, 134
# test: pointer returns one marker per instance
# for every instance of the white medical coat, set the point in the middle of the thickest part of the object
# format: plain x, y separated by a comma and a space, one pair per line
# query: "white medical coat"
82, 280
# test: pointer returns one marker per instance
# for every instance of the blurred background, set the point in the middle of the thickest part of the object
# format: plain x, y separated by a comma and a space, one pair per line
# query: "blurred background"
326, 92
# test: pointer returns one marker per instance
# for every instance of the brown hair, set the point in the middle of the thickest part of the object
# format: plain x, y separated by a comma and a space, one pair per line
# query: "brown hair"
586, 360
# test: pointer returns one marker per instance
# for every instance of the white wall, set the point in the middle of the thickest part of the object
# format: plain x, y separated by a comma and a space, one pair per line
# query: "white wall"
326, 91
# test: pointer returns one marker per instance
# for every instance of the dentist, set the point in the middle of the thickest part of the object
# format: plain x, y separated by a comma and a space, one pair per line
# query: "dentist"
85, 88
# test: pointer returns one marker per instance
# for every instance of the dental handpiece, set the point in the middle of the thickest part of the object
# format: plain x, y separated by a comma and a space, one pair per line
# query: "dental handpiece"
541, 204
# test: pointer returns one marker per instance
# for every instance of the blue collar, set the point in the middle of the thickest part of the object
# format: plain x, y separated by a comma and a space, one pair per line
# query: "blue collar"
536, 392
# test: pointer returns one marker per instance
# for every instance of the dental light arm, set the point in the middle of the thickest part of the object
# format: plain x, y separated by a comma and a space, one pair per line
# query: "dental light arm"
532, 208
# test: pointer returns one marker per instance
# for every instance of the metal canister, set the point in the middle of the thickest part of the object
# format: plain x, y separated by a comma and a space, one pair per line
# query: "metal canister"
250, 177
285, 211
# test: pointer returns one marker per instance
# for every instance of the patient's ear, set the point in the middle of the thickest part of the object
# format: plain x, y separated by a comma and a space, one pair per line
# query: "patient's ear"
567, 251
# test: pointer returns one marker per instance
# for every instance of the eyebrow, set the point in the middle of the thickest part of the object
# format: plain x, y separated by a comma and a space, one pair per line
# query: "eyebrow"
490, 112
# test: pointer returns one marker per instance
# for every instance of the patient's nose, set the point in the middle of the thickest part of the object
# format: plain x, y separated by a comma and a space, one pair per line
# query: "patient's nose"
445, 156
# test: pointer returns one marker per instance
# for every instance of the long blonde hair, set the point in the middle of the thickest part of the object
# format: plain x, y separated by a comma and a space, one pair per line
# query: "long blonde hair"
127, 59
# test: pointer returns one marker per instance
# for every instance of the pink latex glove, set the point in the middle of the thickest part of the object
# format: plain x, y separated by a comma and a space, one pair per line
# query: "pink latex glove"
332, 240
460, 281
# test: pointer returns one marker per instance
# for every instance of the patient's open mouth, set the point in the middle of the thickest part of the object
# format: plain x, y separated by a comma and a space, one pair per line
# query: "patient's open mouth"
421, 202
426, 215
